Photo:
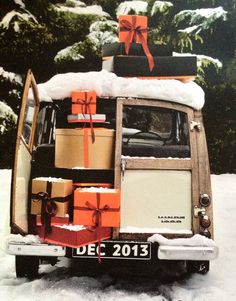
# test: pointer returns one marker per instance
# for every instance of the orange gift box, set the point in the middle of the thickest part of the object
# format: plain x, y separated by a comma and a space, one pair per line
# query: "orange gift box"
132, 28
97, 207
84, 102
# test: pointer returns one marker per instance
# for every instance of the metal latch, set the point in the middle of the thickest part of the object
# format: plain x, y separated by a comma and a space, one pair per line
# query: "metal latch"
195, 125
199, 211
123, 166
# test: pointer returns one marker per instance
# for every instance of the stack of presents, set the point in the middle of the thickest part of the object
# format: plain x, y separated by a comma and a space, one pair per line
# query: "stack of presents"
75, 214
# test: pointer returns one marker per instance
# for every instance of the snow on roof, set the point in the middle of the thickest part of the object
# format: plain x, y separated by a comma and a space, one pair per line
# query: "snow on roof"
108, 84
132, 6
88, 10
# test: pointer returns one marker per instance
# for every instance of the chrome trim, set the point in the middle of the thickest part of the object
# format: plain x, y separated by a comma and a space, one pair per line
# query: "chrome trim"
187, 253
14, 248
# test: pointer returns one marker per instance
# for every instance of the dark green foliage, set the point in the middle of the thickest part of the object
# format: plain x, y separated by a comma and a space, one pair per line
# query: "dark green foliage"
89, 63
7, 140
220, 122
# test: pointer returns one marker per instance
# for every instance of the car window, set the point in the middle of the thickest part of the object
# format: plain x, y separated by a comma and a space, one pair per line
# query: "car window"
153, 131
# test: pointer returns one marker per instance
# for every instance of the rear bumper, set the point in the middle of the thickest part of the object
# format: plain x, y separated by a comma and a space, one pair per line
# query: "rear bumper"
187, 253
35, 249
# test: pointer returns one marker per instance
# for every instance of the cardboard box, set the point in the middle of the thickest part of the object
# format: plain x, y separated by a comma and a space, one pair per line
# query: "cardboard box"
83, 102
74, 236
165, 66
58, 190
86, 118
126, 25
112, 49
97, 207
74, 148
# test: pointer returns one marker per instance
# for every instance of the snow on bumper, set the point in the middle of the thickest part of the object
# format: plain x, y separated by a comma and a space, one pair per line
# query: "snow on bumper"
187, 253
197, 247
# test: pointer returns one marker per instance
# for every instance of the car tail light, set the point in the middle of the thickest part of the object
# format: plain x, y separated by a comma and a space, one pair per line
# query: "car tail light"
206, 233
204, 200
205, 221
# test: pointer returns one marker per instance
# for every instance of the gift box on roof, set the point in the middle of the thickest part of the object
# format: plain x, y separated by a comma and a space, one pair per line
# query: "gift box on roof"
83, 102
136, 49
165, 66
132, 28
97, 207
74, 148
74, 236
51, 196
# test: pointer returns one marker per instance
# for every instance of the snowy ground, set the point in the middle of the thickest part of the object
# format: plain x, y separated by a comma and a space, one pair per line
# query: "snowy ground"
59, 284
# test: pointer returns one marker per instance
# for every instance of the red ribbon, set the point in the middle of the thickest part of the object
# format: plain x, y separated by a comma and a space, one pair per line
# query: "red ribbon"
86, 109
135, 31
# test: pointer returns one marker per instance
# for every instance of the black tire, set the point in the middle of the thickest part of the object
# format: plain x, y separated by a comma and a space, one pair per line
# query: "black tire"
199, 267
27, 266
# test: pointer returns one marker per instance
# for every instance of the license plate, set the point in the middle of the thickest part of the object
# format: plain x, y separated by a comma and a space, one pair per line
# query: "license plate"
116, 250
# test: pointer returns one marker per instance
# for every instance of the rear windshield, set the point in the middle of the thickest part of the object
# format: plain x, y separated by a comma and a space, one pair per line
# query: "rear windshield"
154, 132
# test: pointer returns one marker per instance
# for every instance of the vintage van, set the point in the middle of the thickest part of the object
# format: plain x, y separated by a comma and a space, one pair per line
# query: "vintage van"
159, 164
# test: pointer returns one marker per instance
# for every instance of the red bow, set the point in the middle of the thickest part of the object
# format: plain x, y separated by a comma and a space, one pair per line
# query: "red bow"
135, 31
87, 110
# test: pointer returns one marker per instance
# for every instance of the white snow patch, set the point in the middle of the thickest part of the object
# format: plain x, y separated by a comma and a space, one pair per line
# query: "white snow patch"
197, 240
161, 7
80, 10
108, 84
74, 3
71, 227
28, 239
98, 189
15, 15
203, 17
138, 7
201, 59
20, 2
69, 52
10, 76
103, 32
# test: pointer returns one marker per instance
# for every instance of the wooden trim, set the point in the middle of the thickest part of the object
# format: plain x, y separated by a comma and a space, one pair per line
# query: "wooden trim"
195, 180
118, 147
204, 167
155, 103
119, 110
19, 131
36, 111
177, 164
29, 82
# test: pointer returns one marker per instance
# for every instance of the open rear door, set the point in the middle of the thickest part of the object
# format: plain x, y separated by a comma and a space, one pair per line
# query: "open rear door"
23, 155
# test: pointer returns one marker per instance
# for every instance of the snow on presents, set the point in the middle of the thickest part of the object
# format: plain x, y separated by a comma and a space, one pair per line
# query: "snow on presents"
83, 102
105, 83
51, 193
75, 148
97, 207
74, 236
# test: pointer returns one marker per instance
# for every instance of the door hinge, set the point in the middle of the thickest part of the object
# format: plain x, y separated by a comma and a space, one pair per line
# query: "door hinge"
123, 166
194, 125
